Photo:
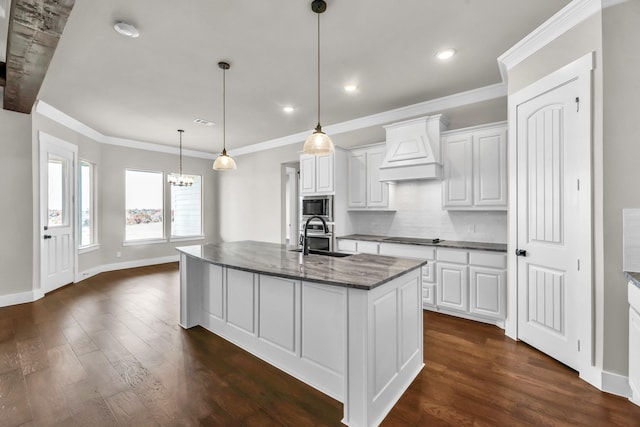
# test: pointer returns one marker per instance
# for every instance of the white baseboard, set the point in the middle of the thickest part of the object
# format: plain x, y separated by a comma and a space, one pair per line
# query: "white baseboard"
139, 263
20, 298
615, 384
30, 296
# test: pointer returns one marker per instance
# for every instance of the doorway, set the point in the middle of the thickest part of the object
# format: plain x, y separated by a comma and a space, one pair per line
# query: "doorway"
290, 201
550, 277
58, 188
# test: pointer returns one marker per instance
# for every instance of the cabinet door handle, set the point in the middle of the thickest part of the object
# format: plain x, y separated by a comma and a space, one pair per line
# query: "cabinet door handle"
521, 252
47, 236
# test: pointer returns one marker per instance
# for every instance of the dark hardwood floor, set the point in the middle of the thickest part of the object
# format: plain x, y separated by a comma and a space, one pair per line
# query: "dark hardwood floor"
109, 352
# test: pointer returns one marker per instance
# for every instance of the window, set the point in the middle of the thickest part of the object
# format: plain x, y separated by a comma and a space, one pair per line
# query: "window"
58, 191
186, 209
86, 204
143, 205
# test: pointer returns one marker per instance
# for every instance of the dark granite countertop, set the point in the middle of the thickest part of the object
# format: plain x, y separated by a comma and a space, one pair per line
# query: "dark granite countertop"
360, 271
494, 247
634, 277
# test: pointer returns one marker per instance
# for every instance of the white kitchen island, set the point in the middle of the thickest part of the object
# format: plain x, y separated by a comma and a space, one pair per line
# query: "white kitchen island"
350, 327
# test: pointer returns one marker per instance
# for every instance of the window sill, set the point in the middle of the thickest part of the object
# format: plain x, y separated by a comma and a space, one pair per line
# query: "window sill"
88, 248
143, 242
185, 238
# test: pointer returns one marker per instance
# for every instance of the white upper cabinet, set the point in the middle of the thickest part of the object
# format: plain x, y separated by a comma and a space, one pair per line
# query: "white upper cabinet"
316, 174
365, 189
475, 168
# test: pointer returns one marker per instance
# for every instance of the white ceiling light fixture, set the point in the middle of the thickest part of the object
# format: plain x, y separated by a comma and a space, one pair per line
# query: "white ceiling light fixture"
127, 30
288, 109
180, 180
445, 54
318, 143
224, 162
203, 122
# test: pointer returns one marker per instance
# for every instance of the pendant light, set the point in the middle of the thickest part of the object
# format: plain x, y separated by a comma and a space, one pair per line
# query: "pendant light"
224, 162
180, 180
318, 142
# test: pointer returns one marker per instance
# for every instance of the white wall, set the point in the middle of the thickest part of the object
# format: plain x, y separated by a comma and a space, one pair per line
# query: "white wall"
16, 217
419, 213
621, 140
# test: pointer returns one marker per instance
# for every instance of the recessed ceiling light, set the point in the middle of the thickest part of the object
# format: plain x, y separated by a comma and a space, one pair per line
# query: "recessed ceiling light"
203, 122
350, 88
127, 30
288, 109
445, 54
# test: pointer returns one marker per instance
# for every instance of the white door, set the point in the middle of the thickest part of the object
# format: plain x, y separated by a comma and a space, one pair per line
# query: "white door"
357, 179
57, 212
377, 192
550, 221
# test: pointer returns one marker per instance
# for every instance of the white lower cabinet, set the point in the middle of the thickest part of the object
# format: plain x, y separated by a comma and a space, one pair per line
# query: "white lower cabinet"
358, 246
472, 283
469, 283
487, 292
452, 286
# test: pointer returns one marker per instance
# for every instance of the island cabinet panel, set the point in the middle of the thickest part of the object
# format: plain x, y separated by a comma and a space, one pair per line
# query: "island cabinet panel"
240, 300
277, 312
214, 293
410, 319
385, 324
323, 326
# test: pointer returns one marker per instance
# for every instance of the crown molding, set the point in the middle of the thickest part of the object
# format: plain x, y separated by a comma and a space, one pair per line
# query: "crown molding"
66, 120
403, 113
567, 18
428, 107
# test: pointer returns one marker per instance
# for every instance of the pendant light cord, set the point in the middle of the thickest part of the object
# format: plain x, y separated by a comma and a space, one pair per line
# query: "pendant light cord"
318, 70
224, 111
180, 131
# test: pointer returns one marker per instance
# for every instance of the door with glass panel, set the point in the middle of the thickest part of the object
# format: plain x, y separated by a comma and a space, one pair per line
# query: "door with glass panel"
57, 213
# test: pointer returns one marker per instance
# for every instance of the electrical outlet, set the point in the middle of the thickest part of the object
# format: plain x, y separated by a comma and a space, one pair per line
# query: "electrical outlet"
471, 228
118, 254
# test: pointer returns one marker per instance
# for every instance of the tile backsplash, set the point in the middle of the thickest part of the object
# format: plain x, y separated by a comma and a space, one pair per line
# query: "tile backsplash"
419, 213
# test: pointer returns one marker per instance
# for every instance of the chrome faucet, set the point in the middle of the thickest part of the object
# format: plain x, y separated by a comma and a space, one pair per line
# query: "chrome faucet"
305, 247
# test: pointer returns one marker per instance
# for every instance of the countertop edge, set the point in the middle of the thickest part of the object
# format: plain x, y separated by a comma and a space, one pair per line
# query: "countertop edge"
449, 244
634, 277
419, 264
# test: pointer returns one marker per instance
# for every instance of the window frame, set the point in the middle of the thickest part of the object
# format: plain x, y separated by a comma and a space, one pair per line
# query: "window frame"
93, 207
152, 240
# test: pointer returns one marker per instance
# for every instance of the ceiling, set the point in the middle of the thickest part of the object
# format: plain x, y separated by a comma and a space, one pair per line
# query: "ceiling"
146, 88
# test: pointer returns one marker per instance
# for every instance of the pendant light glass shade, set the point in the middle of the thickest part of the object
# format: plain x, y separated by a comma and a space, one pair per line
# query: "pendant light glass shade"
319, 142
224, 162
180, 180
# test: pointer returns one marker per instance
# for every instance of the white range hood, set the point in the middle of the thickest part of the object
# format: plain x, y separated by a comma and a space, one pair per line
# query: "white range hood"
413, 149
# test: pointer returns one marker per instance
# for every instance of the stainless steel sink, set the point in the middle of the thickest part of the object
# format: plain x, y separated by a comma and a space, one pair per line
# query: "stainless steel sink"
325, 253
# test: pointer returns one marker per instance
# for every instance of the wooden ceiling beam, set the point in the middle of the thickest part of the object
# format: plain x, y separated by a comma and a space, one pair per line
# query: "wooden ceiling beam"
3, 73
35, 27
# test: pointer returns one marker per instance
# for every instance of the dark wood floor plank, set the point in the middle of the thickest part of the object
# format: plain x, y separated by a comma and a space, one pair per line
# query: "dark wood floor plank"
46, 398
14, 400
109, 351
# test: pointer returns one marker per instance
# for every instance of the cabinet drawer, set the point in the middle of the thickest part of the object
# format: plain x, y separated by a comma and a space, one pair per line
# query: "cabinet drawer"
365, 247
452, 255
409, 251
428, 294
346, 245
488, 259
429, 272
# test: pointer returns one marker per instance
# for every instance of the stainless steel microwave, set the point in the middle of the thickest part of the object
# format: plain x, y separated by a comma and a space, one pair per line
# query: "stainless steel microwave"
321, 206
